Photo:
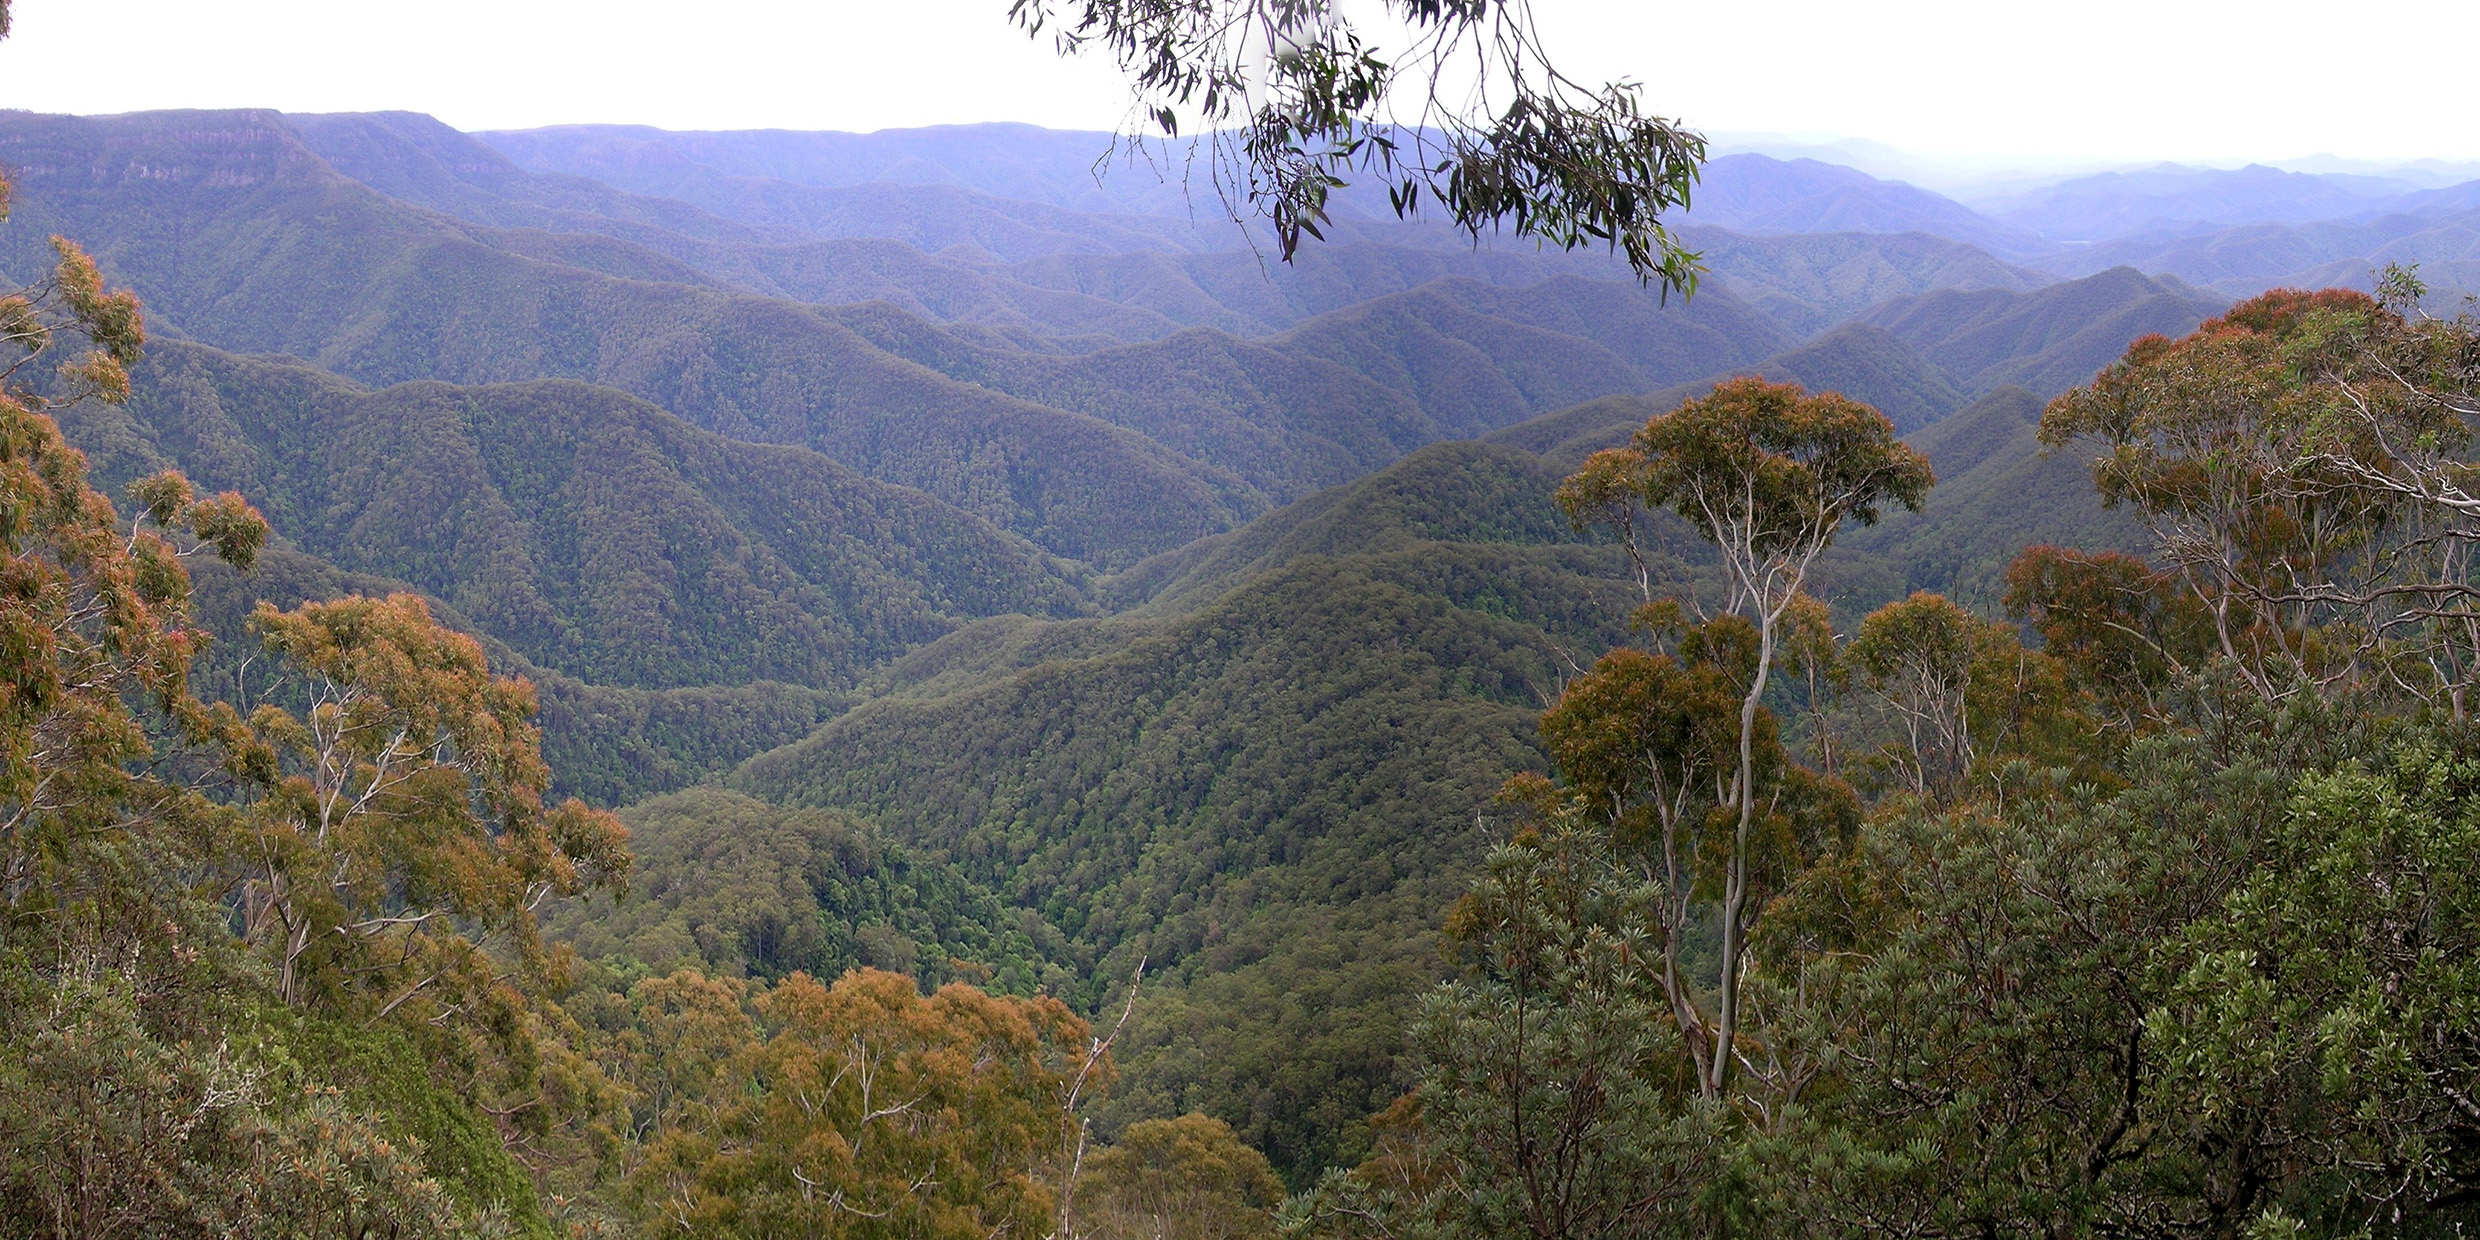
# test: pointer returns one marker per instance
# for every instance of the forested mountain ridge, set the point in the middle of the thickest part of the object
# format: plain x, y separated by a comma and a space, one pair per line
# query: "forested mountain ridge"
1858, 359
1096, 173
589, 531
684, 601
413, 158
1810, 283
1063, 169
1270, 388
2047, 340
609, 744
1870, 364
1121, 287
249, 242
1478, 357
1346, 392
1810, 276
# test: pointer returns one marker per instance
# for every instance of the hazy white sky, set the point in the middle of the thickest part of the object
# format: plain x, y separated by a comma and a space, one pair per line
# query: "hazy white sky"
2111, 79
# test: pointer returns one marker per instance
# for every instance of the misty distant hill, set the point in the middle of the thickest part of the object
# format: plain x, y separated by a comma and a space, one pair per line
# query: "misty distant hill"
1808, 240
2173, 197
2240, 262
1761, 194
1069, 169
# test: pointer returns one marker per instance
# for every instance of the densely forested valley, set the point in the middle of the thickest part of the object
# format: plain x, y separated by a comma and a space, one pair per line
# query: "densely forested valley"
602, 682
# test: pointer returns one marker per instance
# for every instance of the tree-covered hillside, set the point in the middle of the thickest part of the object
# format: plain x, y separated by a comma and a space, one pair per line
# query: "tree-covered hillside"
249, 242
1346, 392
1870, 364
1252, 786
1025, 162
2350, 252
1810, 283
1998, 492
1477, 357
1857, 359
1283, 425
2048, 340
610, 744
588, 531
736, 887
1113, 285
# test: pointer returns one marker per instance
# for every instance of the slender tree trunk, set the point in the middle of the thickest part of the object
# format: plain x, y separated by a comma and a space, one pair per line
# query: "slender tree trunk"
1675, 902
1735, 892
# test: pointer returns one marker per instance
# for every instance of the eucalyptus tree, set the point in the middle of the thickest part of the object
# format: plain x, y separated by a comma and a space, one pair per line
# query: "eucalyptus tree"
1768, 473
2303, 463
1919, 654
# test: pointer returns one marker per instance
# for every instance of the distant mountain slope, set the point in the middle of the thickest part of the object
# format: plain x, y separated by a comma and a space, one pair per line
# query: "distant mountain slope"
1075, 171
913, 203
1803, 283
937, 218
414, 158
236, 234
1568, 436
1061, 168
1997, 493
1106, 282
1268, 793
816, 182
590, 532
1453, 493
1759, 194
1810, 283
2443, 200
384, 293
1479, 357
2110, 205
1349, 391
2241, 262
1872, 365
610, 744
1144, 292
251, 241
1868, 364
2049, 340
1284, 424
